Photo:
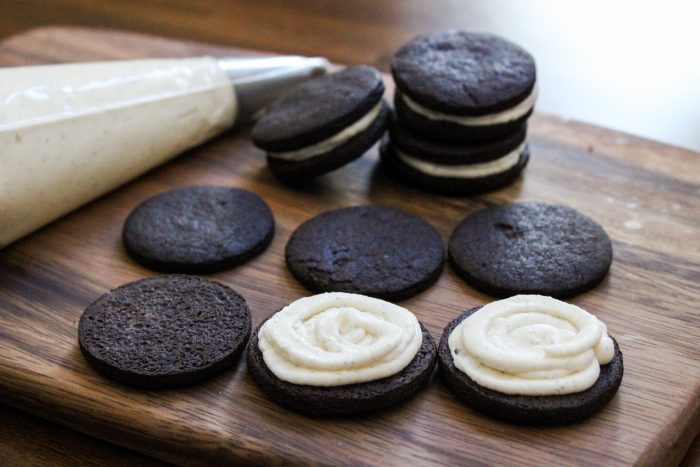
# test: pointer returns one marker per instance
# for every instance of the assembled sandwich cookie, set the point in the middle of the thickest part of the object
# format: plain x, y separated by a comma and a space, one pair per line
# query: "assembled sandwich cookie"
531, 359
323, 123
463, 86
454, 169
338, 354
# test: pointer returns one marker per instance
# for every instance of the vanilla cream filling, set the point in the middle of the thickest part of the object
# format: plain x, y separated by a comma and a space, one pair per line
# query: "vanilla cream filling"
504, 116
72, 132
334, 141
333, 339
531, 345
481, 169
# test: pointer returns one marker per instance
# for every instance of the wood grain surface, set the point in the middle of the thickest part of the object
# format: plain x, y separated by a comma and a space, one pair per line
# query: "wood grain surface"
30, 440
645, 194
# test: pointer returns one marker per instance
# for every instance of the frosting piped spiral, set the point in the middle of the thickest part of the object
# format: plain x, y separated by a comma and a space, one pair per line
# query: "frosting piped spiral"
336, 338
531, 345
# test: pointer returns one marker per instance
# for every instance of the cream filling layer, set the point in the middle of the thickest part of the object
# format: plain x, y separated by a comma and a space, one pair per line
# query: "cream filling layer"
334, 141
505, 116
531, 345
481, 169
333, 339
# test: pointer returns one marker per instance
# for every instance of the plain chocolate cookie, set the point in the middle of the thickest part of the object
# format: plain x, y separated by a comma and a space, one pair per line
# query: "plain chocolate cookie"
531, 410
349, 399
370, 250
164, 331
198, 229
530, 248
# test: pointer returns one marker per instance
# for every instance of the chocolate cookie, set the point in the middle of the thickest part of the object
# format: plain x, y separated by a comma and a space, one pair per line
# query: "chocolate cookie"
164, 331
532, 248
323, 123
370, 250
198, 229
463, 86
454, 169
347, 399
531, 410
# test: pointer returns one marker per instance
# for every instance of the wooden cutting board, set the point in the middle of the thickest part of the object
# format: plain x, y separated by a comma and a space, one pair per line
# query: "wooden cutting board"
646, 195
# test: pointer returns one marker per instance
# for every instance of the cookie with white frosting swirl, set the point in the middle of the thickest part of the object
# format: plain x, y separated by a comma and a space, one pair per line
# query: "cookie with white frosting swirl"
338, 353
531, 359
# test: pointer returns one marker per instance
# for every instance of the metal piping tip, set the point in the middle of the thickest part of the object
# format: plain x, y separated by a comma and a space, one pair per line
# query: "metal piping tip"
259, 81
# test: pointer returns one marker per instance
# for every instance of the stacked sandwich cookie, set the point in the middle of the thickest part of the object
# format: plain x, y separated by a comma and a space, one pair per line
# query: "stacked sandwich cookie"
462, 102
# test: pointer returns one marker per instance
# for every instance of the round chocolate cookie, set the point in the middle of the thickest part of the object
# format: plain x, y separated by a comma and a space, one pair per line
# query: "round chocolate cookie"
531, 410
530, 248
164, 331
450, 178
463, 86
370, 250
348, 399
323, 123
198, 229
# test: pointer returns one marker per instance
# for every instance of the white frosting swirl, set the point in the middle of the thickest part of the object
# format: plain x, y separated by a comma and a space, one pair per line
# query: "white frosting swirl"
333, 339
531, 345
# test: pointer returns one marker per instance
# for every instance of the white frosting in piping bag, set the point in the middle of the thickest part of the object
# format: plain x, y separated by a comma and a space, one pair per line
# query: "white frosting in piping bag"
531, 345
336, 338
480, 169
504, 116
70, 133
334, 141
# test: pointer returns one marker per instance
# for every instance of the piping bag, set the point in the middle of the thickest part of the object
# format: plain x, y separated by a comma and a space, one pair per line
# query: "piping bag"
70, 133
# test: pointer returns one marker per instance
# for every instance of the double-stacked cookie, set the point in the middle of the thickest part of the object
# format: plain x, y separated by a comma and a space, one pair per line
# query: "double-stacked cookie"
462, 101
